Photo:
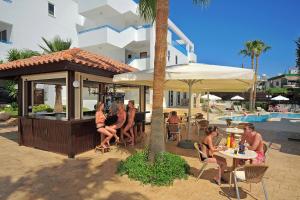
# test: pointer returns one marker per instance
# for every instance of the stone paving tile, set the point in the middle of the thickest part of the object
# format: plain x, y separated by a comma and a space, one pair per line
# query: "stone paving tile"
27, 173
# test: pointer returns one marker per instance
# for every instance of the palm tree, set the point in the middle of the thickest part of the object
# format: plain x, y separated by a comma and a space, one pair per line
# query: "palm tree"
55, 45
16, 54
261, 48
249, 50
298, 53
158, 11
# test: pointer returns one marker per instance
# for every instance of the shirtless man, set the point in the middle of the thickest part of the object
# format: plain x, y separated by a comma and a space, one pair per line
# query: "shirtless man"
255, 141
130, 122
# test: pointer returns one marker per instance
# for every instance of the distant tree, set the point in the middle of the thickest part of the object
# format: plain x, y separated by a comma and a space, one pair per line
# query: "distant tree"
56, 44
254, 49
16, 54
261, 48
249, 51
277, 90
298, 53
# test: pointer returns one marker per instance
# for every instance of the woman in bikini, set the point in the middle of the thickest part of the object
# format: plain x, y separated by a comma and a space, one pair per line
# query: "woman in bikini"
121, 121
100, 119
209, 149
130, 122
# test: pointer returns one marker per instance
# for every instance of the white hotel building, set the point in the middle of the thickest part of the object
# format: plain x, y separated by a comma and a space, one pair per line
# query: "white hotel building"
108, 27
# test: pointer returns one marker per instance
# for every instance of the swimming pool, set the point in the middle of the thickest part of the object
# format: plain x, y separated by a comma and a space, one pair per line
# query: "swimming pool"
263, 118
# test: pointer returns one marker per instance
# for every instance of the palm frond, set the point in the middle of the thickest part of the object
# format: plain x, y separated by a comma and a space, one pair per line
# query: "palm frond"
16, 54
147, 10
56, 44
298, 52
13, 54
244, 52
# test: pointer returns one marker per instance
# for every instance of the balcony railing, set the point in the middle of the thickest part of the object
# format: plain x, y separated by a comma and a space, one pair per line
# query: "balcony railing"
112, 28
140, 63
180, 47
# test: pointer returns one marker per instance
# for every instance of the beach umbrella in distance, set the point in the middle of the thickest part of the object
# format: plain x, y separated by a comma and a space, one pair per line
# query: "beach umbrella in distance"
211, 97
280, 98
237, 98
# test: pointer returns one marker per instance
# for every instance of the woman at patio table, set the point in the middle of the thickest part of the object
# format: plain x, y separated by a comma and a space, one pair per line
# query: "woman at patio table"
100, 123
209, 149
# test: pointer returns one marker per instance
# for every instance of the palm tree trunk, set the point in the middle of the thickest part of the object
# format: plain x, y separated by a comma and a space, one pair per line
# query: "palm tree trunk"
252, 88
157, 143
255, 81
58, 107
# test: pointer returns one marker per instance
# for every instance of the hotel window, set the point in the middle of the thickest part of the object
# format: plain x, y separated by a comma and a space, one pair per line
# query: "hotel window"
169, 54
178, 98
51, 9
143, 55
3, 36
170, 98
176, 60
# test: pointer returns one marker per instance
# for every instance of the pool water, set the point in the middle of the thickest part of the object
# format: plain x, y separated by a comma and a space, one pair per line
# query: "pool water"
263, 118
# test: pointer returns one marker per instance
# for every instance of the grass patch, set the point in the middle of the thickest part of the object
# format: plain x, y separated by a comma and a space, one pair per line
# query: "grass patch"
166, 168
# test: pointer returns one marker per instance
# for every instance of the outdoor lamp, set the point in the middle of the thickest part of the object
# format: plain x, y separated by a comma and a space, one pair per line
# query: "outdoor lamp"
76, 84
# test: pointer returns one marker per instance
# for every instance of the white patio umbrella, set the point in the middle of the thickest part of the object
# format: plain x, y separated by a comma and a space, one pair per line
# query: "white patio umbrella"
211, 97
237, 98
194, 77
280, 98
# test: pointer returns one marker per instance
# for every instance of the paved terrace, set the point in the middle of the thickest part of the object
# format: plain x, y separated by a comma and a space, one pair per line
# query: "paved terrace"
27, 173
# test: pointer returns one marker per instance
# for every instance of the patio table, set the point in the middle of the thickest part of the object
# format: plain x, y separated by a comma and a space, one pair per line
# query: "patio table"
249, 154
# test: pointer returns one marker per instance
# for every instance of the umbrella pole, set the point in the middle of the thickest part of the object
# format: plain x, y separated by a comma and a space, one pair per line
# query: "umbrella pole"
190, 108
207, 106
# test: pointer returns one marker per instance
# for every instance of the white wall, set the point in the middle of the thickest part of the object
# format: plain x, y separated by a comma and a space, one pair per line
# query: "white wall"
30, 21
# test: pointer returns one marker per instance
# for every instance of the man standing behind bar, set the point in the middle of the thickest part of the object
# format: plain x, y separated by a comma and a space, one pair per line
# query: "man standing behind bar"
130, 122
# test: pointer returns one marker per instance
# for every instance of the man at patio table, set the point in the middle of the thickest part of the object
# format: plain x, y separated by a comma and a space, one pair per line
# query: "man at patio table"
255, 141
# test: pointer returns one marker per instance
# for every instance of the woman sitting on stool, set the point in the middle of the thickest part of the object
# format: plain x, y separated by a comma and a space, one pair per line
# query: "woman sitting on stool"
121, 119
100, 119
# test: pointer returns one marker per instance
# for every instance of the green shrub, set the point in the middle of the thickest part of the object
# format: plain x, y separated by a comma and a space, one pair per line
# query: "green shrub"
42, 108
166, 168
11, 109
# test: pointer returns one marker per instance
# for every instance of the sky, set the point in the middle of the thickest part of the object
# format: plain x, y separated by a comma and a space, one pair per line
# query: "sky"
220, 30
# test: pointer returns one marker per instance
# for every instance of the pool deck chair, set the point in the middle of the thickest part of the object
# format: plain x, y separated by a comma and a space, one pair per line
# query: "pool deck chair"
202, 158
249, 174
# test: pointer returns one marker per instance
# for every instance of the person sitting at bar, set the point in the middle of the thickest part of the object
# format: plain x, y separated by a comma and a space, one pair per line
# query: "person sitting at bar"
121, 113
128, 130
100, 124
173, 119
209, 149
255, 141
112, 119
